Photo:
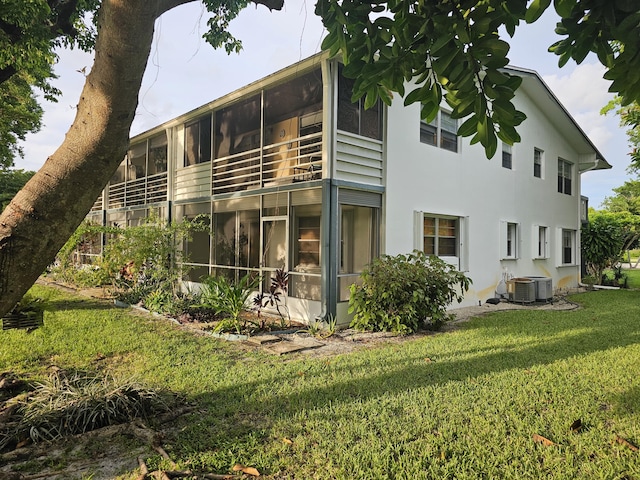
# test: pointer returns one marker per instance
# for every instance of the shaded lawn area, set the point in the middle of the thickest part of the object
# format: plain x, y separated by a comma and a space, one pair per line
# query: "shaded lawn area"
463, 404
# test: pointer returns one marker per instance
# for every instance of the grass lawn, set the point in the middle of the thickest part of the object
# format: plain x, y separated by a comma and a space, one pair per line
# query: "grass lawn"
633, 278
461, 405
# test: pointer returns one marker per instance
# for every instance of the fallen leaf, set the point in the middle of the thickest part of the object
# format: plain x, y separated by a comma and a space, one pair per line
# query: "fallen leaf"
287, 441
576, 426
248, 470
626, 443
543, 440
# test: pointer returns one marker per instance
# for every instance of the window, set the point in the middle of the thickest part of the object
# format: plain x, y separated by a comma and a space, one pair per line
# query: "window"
564, 176
537, 162
540, 241
568, 250
307, 240
506, 156
442, 132
440, 236
358, 244
509, 240
512, 240
353, 117
197, 142
196, 248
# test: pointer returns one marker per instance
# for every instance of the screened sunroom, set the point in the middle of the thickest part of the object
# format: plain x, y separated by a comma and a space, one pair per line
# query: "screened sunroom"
289, 173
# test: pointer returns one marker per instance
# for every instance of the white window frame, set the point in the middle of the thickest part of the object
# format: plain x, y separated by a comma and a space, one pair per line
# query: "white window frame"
538, 159
540, 242
565, 234
509, 240
507, 156
461, 259
441, 139
565, 171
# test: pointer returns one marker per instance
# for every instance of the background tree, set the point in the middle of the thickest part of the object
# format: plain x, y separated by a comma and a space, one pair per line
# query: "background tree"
30, 31
605, 239
626, 198
452, 46
11, 181
629, 117
20, 114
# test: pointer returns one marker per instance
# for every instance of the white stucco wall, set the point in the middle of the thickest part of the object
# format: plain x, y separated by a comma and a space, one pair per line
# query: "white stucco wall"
420, 177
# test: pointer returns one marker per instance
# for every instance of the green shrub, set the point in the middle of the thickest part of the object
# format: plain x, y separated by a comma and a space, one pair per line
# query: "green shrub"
406, 292
227, 298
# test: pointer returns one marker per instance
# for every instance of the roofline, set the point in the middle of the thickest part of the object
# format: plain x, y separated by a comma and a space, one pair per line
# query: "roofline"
600, 163
280, 75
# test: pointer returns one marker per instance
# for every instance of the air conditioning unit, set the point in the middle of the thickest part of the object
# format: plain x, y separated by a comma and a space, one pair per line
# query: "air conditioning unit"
521, 290
544, 288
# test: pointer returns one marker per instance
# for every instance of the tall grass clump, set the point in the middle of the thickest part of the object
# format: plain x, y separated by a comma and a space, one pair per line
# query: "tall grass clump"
78, 403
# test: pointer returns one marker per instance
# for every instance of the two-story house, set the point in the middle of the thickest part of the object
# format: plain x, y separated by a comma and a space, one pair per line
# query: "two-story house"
296, 176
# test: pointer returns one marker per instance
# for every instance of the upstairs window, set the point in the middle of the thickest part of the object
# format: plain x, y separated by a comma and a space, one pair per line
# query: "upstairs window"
352, 116
441, 132
564, 176
538, 156
506, 156
197, 141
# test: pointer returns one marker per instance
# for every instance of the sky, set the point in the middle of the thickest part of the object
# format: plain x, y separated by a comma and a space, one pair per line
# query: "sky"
184, 72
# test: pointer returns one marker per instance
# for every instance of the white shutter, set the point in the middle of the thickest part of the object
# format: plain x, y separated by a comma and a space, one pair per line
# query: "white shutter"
535, 239
558, 249
463, 251
418, 230
503, 239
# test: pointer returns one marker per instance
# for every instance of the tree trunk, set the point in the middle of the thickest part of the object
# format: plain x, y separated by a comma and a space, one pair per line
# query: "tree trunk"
45, 213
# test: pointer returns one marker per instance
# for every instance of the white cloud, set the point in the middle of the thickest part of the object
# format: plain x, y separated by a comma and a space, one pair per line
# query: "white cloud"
582, 88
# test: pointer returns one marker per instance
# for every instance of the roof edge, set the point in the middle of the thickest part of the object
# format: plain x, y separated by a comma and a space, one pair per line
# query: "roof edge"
601, 163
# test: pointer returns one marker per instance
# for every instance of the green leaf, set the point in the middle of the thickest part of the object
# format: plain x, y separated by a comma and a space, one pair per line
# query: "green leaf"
536, 9
564, 7
468, 127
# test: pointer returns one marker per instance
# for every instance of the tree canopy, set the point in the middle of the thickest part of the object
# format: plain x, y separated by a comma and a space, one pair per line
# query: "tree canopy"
30, 31
456, 47
630, 118
626, 198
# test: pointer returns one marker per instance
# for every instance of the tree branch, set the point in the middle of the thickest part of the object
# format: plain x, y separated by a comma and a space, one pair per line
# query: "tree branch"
6, 73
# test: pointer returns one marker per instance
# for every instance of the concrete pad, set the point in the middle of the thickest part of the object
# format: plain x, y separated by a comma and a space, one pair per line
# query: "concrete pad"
263, 339
284, 347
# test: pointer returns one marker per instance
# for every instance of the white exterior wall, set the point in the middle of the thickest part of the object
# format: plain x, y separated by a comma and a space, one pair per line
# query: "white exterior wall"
421, 177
